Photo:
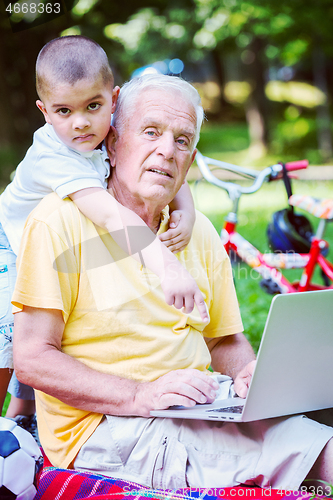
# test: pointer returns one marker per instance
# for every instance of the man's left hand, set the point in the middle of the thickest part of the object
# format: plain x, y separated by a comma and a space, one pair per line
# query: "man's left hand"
243, 379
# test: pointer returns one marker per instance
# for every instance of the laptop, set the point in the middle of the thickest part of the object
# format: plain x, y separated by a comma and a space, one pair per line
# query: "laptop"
293, 373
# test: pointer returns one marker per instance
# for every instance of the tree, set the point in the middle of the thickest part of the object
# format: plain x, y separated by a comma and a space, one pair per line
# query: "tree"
19, 46
260, 34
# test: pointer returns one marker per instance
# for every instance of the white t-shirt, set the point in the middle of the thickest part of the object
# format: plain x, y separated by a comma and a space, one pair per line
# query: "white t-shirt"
48, 166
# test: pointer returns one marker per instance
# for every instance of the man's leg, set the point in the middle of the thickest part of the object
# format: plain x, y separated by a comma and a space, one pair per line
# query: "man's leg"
17, 406
22, 406
323, 467
166, 453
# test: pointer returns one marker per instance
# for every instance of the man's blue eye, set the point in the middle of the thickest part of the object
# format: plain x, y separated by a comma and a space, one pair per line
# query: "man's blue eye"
182, 142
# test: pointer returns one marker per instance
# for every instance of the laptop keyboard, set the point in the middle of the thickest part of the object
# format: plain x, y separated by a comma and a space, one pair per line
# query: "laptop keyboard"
229, 409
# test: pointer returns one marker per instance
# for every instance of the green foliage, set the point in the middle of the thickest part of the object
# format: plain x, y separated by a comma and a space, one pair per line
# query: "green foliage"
287, 29
218, 41
231, 137
293, 137
9, 159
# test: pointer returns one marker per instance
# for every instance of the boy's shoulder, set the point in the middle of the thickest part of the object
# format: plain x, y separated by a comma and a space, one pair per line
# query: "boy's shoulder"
45, 139
48, 159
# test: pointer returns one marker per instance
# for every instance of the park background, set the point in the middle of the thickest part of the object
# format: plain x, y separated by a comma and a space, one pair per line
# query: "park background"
264, 69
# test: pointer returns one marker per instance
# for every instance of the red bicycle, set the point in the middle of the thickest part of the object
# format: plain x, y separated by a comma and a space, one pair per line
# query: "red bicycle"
291, 238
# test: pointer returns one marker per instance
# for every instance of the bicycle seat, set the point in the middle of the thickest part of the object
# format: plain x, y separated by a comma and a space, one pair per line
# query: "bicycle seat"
323, 209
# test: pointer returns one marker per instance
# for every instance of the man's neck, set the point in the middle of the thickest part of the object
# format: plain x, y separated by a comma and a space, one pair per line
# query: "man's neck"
148, 211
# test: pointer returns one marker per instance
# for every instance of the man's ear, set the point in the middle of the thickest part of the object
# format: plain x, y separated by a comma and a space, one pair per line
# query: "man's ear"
191, 161
194, 154
40, 105
110, 143
115, 94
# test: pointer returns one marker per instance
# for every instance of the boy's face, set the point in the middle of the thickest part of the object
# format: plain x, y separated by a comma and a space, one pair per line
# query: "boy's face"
81, 113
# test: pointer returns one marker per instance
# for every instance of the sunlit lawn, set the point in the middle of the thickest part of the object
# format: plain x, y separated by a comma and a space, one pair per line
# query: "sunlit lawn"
254, 215
230, 142
5, 406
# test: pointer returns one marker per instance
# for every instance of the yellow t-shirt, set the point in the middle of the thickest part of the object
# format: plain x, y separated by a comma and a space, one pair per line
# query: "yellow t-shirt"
116, 317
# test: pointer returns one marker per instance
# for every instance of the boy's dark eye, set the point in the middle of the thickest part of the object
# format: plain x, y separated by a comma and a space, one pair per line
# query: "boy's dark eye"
93, 106
63, 111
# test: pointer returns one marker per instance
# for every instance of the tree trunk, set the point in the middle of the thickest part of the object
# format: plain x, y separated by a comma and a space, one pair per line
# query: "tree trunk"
256, 106
220, 75
324, 134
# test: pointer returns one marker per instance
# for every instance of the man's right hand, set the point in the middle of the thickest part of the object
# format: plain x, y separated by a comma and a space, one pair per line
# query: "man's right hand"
185, 387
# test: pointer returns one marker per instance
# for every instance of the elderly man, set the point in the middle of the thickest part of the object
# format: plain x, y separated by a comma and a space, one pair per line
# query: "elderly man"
104, 348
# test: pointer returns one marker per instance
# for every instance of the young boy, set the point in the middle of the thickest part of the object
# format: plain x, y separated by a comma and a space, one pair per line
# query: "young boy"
75, 85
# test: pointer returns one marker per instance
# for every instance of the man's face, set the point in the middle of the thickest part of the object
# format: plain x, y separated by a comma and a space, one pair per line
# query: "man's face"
155, 147
80, 114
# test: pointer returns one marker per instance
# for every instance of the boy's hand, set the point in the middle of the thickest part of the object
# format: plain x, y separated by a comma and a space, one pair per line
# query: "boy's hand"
177, 237
181, 291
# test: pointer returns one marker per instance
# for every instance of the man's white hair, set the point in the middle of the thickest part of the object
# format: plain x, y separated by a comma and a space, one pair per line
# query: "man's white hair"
131, 90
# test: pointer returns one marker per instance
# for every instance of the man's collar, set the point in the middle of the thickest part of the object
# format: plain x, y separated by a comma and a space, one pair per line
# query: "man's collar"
164, 224
95, 152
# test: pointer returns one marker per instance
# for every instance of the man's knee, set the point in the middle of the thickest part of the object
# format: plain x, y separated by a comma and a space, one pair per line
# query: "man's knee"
322, 469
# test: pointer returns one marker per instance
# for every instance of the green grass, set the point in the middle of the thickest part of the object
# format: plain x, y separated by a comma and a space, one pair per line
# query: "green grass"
255, 213
230, 142
6, 404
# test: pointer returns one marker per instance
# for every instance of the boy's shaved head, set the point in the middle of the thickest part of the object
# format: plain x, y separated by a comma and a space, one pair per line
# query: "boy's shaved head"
69, 59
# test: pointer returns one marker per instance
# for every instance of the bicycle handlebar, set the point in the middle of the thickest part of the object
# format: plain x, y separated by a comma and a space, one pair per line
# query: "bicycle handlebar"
296, 165
235, 190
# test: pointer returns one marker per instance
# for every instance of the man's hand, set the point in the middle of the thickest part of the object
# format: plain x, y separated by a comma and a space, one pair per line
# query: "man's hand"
181, 291
179, 387
177, 237
243, 379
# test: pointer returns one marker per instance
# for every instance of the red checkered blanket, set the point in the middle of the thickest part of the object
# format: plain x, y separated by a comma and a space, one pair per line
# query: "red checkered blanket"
59, 484
62, 484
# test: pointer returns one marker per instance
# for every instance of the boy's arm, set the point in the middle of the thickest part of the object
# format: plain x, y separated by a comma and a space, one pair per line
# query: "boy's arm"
181, 222
179, 288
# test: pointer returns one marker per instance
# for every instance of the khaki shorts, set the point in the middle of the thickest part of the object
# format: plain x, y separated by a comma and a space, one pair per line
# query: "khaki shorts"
171, 453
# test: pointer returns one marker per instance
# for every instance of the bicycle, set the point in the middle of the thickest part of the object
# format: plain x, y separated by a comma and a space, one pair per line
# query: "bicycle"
269, 265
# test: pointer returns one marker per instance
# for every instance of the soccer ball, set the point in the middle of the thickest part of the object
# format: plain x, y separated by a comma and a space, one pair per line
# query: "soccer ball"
20, 460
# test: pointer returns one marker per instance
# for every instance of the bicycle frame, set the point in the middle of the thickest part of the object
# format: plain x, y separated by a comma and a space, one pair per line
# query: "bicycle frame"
267, 265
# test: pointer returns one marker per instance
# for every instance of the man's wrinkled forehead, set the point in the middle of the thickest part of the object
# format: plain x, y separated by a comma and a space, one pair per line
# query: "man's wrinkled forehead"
175, 102
158, 107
